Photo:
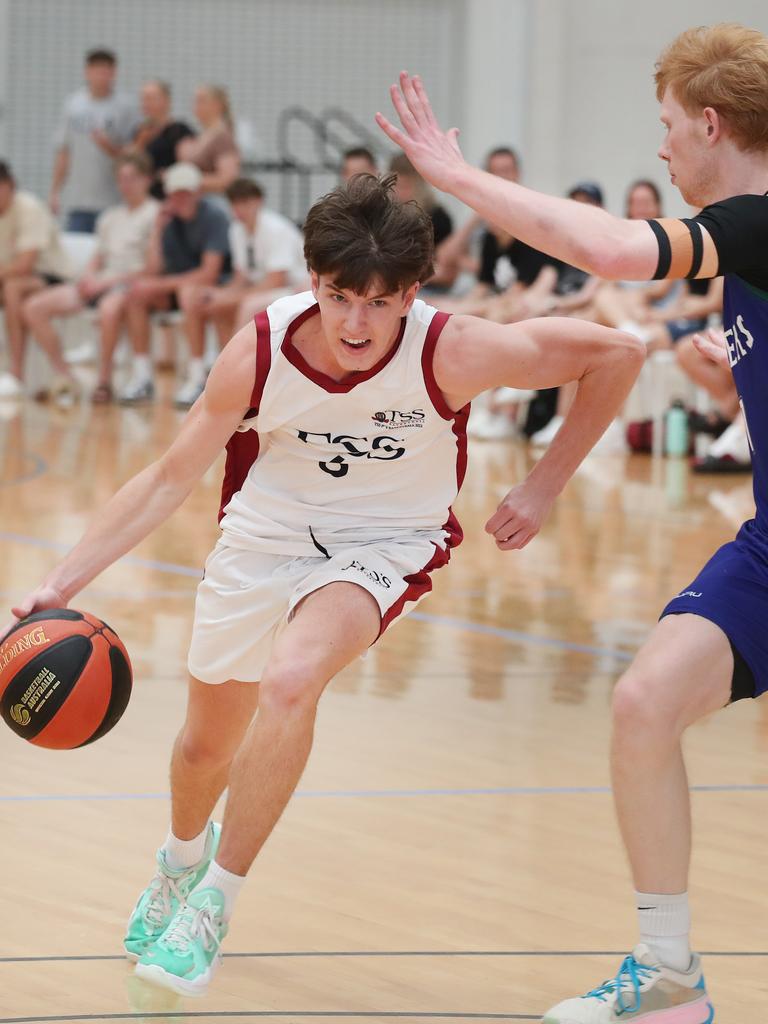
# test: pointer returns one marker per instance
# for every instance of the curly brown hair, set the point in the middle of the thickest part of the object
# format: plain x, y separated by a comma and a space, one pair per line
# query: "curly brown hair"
363, 238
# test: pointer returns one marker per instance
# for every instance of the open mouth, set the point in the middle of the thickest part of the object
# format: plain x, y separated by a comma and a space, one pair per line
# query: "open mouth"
356, 344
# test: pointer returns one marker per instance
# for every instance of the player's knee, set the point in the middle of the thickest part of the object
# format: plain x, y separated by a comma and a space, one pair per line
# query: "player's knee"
290, 685
638, 709
204, 751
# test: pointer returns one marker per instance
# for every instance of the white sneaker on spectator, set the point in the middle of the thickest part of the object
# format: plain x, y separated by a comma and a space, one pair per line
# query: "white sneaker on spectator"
613, 441
189, 392
10, 386
484, 425
543, 438
137, 391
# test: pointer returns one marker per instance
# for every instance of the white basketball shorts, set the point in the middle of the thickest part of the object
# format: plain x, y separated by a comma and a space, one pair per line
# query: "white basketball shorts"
246, 597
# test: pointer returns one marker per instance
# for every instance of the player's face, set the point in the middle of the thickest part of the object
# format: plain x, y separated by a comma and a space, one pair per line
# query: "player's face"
685, 148
359, 330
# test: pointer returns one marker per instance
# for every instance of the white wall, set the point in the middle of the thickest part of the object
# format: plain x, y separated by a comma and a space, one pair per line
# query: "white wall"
593, 112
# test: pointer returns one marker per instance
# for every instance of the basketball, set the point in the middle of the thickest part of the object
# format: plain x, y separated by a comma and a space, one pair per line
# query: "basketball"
65, 678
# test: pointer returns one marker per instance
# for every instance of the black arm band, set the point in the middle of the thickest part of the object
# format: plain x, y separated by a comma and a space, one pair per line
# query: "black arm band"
665, 250
698, 246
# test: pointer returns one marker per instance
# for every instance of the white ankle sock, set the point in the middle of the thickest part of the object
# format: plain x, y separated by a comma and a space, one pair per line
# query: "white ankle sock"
196, 370
217, 877
665, 925
184, 853
142, 368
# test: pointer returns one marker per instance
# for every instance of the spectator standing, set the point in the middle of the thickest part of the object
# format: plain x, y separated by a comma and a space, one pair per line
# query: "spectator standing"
214, 150
159, 133
410, 186
357, 160
31, 257
268, 262
96, 125
122, 234
190, 246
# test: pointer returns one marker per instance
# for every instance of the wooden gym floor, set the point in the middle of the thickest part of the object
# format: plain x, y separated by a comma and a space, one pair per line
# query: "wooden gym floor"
451, 853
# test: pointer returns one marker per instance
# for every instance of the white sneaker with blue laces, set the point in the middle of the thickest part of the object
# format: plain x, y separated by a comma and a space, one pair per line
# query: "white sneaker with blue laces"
643, 992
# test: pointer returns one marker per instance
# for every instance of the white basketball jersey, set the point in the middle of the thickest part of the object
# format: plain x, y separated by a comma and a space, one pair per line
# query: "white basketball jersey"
319, 463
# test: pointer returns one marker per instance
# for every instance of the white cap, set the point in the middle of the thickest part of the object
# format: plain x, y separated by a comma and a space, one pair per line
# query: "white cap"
182, 178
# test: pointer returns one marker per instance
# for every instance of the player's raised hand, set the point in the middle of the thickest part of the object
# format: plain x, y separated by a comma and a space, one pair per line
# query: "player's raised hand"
712, 344
518, 518
434, 153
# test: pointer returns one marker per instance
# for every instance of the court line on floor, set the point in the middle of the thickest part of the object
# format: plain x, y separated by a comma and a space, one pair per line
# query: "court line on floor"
331, 794
512, 635
250, 1014
39, 467
383, 954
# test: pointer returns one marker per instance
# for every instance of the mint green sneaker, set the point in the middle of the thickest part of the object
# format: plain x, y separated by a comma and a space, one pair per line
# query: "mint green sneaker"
167, 891
187, 954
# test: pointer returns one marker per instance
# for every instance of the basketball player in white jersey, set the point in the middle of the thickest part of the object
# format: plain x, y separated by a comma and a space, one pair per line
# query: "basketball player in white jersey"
343, 412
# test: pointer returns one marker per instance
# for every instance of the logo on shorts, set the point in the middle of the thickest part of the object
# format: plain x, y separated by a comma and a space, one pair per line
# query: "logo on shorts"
393, 419
371, 574
689, 593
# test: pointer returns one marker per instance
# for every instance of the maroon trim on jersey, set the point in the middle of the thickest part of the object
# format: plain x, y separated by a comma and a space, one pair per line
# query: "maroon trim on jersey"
337, 387
460, 417
243, 446
436, 396
420, 583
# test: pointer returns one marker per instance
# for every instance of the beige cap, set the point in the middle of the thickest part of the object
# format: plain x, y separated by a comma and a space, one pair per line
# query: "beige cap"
182, 178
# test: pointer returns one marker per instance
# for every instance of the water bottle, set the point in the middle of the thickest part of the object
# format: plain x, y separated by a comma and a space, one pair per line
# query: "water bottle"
676, 430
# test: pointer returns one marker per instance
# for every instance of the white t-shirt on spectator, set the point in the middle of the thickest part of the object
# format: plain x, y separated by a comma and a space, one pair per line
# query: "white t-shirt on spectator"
26, 226
123, 237
275, 245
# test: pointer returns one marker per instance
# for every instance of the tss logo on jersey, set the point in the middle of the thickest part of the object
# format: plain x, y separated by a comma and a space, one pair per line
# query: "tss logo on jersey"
382, 448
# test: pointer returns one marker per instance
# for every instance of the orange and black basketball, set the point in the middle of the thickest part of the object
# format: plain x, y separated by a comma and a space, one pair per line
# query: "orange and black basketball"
65, 678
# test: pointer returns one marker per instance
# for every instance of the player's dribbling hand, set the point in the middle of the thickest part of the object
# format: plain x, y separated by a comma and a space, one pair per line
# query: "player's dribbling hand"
518, 518
434, 153
712, 344
38, 600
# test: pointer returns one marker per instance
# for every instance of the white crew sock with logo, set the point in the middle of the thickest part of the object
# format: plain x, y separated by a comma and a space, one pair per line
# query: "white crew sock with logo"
142, 369
184, 853
228, 884
665, 925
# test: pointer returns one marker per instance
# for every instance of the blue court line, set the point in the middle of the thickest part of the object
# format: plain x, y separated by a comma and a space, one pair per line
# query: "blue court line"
513, 635
388, 793
39, 467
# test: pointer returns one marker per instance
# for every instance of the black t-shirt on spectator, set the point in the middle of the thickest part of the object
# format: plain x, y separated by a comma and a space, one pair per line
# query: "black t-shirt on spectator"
527, 262
442, 225
162, 151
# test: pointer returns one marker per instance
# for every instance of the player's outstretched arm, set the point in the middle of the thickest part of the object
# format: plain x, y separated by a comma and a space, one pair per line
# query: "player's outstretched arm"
582, 235
150, 497
473, 355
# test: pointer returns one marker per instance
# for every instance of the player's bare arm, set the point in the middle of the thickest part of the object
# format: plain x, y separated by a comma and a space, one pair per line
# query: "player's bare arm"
151, 496
584, 236
474, 355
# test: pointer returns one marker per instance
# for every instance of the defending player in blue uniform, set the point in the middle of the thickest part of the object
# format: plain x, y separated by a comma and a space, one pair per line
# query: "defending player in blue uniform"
711, 645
